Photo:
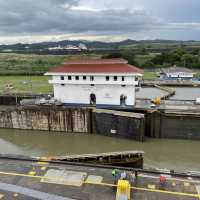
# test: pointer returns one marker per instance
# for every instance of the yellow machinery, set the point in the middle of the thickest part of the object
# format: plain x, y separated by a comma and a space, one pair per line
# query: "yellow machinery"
123, 190
157, 101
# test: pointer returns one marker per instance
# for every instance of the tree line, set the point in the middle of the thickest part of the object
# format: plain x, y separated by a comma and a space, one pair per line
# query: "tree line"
144, 59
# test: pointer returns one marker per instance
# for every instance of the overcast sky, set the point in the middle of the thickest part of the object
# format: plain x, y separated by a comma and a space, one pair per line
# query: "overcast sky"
107, 20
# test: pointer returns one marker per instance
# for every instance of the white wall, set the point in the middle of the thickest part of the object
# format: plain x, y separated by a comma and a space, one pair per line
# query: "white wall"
98, 79
105, 94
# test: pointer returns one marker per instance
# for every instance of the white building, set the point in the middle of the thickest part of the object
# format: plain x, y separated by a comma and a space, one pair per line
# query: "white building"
96, 81
177, 73
82, 46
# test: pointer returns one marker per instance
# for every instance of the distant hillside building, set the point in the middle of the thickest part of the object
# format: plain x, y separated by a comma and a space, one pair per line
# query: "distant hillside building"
95, 81
80, 47
177, 73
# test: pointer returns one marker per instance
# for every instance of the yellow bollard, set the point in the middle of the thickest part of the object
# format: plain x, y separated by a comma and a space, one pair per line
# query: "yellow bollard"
157, 101
123, 190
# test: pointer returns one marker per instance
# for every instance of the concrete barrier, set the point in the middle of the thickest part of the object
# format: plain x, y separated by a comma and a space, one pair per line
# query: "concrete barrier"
46, 118
119, 124
74, 120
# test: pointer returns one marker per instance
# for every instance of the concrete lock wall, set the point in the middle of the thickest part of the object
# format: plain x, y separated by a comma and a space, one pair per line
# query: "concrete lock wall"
119, 124
82, 120
38, 118
175, 125
157, 124
180, 126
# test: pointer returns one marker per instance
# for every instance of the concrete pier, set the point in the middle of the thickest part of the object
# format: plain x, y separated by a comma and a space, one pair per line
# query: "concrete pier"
170, 83
27, 180
170, 92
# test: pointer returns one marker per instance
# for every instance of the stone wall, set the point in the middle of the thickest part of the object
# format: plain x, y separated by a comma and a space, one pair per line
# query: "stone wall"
45, 118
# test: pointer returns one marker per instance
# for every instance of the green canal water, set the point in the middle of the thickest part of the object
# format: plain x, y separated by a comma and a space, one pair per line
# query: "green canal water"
182, 93
160, 153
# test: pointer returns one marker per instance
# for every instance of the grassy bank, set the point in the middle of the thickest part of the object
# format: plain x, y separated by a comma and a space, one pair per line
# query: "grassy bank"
149, 75
36, 84
25, 84
23, 64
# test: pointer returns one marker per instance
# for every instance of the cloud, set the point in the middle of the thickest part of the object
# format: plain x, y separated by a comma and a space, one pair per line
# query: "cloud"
138, 19
184, 25
64, 16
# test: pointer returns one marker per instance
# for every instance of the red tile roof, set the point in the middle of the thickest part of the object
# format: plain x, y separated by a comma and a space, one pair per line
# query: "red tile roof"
96, 61
96, 66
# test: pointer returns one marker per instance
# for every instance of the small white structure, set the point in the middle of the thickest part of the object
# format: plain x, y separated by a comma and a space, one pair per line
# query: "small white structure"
55, 48
197, 101
177, 73
95, 81
82, 46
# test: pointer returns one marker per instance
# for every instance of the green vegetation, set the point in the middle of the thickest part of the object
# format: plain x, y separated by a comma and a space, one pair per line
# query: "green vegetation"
25, 84
21, 73
23, 64
149, 75
147, 60
178, 57
162, 44
27, 64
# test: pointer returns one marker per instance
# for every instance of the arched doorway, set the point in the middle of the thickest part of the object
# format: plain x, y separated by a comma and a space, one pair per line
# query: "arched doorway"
92, 99
123, 100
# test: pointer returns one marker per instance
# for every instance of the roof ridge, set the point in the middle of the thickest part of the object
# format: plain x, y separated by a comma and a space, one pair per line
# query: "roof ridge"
96, 68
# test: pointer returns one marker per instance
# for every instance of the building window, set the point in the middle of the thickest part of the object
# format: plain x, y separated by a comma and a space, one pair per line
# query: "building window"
84, 78
69, 78
123, 78
62, 78
62, 84
77, 78
107, 78
91, 78
115, 78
